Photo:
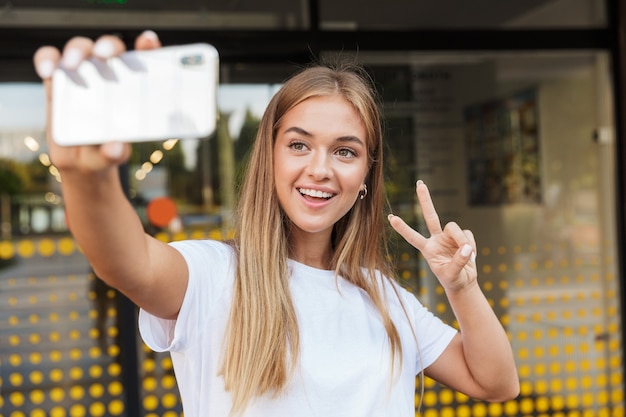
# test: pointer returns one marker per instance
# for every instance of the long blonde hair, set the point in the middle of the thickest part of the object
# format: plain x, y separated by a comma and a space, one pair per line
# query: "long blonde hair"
262, 341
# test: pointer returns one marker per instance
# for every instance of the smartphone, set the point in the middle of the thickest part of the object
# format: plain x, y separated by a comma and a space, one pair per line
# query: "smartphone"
159, 94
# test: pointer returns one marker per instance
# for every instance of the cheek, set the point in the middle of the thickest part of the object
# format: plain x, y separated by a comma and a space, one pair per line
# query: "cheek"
283, 178
281, 171
357, 176
279, 168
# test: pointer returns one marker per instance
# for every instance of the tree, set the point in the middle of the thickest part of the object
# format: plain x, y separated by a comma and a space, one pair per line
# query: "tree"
243, 144
14, 178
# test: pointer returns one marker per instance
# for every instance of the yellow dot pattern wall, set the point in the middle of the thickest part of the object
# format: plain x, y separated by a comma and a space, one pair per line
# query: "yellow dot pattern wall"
562, 315
59, 346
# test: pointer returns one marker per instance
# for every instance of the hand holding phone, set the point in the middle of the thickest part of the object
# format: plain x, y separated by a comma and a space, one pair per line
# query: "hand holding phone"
146, 95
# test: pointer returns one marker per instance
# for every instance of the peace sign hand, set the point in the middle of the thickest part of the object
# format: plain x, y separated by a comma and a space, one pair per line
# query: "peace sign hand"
450, 252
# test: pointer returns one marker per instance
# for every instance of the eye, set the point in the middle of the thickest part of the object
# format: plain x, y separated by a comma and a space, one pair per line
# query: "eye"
346, 153
298, 146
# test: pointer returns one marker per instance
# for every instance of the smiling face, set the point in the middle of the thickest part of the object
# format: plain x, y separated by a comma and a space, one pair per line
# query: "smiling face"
320, 163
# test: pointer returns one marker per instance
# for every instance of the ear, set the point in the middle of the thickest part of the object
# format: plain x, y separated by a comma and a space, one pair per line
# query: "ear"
363, 191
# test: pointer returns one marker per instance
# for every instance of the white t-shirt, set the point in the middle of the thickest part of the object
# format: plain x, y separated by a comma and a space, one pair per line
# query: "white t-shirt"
344, 365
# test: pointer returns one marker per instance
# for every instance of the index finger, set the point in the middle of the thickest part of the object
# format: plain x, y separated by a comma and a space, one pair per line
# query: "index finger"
407, 232
428, 209
45, 60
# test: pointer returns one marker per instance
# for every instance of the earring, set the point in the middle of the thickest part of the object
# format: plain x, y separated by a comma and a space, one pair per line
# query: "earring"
363, 192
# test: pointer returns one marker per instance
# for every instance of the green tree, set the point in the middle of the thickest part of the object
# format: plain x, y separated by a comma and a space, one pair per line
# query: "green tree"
39, 177
14, 178
178, 176
244, 142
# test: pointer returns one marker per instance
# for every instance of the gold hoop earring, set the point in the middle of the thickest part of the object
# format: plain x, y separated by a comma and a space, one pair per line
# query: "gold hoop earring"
363, 192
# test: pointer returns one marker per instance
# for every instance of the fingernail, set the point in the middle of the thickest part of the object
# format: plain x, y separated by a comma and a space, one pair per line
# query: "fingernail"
390, 216
466, 250
104, 49
113, 150
71, 58
151, 35
418, 183
45, 69
473, 258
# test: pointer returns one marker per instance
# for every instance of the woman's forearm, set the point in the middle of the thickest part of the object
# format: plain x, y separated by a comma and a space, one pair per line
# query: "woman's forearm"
486, 347
105, 225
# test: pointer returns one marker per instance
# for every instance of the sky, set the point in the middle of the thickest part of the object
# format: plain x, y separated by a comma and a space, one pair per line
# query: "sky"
21, 106
236, 98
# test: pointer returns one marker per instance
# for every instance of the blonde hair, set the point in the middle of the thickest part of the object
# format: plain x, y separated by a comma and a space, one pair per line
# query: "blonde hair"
262, 342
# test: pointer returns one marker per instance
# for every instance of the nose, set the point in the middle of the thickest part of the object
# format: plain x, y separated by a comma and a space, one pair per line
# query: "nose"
319, 166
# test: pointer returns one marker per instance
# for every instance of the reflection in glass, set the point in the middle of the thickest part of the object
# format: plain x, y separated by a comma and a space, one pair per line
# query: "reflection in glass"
545, 229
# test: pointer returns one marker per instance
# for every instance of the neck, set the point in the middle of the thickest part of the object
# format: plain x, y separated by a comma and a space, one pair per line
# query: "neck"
313, 250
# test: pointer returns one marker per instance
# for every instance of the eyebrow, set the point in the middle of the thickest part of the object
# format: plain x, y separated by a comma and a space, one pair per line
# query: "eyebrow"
348, 138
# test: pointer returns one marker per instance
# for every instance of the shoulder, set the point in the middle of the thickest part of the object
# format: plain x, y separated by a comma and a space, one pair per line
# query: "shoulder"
207, 250
209, 261
394, 291
401, 299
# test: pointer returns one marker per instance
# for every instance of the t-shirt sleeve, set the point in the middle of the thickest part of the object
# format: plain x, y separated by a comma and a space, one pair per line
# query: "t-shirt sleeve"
210, 265
433, 335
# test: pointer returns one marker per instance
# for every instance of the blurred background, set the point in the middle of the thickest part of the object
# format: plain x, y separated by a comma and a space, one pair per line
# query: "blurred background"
511, 111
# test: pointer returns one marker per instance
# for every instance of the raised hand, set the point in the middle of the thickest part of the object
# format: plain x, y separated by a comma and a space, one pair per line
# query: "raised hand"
76, 50
450, 252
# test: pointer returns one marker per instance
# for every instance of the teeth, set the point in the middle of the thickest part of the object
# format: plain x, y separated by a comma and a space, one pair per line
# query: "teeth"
315, 193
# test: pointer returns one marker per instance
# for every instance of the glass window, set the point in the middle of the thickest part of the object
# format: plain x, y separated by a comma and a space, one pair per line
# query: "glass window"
517, 148
60, 332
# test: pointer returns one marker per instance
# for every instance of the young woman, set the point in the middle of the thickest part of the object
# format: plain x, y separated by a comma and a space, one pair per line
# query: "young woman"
300, 314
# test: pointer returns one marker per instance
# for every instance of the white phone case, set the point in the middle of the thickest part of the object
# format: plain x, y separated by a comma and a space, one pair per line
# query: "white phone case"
158, 94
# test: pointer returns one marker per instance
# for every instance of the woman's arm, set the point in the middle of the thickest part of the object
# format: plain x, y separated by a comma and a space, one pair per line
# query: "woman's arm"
479, 361
102, 220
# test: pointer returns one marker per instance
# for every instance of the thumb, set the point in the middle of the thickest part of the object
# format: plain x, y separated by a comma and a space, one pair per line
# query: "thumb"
116, 152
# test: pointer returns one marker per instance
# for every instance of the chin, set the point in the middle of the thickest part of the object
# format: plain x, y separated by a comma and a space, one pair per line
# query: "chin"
313, 228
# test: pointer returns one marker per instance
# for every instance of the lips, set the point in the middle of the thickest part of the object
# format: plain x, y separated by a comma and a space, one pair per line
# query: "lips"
315, 193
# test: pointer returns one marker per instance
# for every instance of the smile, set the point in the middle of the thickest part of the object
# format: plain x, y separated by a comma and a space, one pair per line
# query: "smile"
315, 193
